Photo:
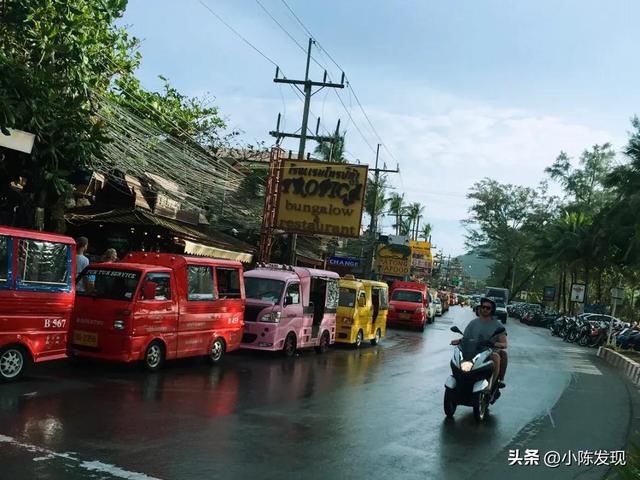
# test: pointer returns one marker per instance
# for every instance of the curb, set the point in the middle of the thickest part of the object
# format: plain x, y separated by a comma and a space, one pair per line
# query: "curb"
627, 366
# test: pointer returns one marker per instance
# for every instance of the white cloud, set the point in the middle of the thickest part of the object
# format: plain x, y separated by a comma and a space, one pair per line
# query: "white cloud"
442, 150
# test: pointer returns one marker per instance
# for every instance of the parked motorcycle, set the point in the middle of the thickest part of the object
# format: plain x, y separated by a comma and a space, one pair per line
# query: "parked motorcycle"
571, 329
471, 380
584, 331
559, 326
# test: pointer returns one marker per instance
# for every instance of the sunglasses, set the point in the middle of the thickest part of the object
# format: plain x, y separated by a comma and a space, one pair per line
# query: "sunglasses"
485, 307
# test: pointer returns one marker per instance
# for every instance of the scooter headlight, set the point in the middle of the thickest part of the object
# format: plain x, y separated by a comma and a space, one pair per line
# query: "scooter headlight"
466, 366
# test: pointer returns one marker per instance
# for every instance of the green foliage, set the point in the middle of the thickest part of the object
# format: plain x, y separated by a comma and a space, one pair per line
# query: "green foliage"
181, 117
591, 235
332, 151
623, 213
504, 218
375, 198
55, 55
397, 209
425, 232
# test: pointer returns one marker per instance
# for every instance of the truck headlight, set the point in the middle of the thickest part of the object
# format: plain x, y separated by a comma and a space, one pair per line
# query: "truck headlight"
271, 317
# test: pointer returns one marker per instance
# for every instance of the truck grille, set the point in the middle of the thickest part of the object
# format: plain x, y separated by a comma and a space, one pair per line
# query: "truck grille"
249, 337
251, 313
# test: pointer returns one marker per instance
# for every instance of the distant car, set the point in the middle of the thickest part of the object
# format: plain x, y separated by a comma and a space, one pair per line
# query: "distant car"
475, 300
438, 307
501, 310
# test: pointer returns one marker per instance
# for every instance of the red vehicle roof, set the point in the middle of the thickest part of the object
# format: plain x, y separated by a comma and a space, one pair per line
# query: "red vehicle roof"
399, 285
144, 267
36, 235
172, 260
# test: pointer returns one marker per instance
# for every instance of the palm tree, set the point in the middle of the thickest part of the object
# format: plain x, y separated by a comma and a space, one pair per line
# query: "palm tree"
425, 232
415, 212
376, 200
332, 151
396, 208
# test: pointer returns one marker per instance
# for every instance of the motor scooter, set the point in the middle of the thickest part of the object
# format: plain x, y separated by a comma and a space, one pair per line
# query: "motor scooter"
471, 380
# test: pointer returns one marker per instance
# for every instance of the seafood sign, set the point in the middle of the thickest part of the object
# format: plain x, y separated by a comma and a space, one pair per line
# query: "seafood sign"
321, 198
393, 260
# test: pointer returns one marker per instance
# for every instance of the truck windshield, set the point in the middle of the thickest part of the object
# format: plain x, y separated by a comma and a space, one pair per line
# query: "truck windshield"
407, 296
347, 297
108, 284
265, 289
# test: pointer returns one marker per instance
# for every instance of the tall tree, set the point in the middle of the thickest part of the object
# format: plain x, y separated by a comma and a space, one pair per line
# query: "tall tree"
332, 151
425, 232
55, 56
623, 213
584, 185
414, 210
376, 198
186, 119
396, 208
502, 223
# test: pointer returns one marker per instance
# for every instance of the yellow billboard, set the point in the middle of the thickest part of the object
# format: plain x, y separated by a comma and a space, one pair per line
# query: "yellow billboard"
421, 254
321, 198
393, 260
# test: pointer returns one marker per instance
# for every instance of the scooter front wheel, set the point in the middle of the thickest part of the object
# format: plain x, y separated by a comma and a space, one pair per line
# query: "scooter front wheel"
449, 403
480, 405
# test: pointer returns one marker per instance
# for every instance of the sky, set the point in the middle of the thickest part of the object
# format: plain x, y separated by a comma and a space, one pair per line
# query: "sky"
456, 90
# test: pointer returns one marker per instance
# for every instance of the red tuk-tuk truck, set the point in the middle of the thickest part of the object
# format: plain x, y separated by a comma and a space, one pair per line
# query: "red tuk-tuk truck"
37, 289
409, 305
158, 306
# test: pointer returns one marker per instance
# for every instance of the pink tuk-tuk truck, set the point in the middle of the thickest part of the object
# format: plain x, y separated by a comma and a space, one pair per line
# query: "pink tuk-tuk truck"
290, 308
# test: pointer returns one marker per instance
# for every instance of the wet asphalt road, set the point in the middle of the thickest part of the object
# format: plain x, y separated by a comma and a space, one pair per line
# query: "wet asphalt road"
373, 413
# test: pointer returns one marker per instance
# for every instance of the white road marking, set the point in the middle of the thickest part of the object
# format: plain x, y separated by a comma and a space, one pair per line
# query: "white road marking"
92, 466
553, 423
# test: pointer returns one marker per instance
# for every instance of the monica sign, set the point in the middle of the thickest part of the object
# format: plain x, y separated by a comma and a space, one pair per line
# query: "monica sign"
321, 198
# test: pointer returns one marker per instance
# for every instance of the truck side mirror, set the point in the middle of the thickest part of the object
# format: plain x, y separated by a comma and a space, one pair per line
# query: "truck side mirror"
288, 300
149, 290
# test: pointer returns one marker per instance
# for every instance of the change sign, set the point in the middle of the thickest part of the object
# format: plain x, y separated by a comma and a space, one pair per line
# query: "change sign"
321, 198
344, 262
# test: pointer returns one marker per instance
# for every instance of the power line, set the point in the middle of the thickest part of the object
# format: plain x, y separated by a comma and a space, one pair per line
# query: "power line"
238, 34
349, 85
281, 27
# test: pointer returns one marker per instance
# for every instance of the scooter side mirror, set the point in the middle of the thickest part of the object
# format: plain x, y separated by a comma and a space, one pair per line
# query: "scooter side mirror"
455, 329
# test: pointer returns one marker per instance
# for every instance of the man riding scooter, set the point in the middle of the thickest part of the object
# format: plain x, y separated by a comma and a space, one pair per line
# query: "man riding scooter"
484, 326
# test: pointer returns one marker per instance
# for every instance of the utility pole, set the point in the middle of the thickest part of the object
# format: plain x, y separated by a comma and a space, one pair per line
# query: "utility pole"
374, 217
303, 136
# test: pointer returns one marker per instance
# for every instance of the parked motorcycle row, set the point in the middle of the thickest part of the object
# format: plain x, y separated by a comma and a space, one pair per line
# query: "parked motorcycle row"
532, 314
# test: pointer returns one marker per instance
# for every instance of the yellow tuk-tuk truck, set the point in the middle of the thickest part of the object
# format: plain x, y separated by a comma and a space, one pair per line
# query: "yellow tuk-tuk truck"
362, 311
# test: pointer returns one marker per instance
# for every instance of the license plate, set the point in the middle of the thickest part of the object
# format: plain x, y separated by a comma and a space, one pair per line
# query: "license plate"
86, 339
404, 316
